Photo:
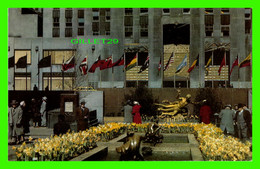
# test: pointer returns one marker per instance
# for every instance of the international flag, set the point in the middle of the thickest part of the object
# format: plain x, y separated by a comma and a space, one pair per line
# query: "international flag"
160, 65
11, 62
194, 64
83, 67
96, 64
235, 63
145, 65
107, 63
171, 60
45, 62
182, 64
69, 64
208, 63
119, 62
246, 62
223, 63
131, 64
22, 62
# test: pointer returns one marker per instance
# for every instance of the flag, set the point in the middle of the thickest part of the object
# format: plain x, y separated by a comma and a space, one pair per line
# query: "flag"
182, 64
194, 64
145, 65
83, 67
22, 62
171, 60
132, 63
107, 63
45, 62
96, 64
69, 64
208, 63
11, 62
246, 62
160, 65
223, 63
235, 63
119, 62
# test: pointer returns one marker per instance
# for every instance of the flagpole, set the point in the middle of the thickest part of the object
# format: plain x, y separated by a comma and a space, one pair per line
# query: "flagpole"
124, 70
100, 76
212, 64
62, 72
238, 76
26, 71
137, 65
228, 67
38, 71
50, 76
112, 72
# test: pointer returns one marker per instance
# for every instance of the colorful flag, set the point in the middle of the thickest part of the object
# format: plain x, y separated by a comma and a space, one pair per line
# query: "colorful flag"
22, 62
182, 65
246, 62
107, 63
208, 63
194, 64
96, 64
45, 62
119, 62
160, 65
131, 64
145, 65
171, 60
11, 62
223, 63
235, 63
69, 64
83, 67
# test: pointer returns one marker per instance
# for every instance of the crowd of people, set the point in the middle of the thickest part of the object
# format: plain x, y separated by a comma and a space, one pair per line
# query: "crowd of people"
22, 115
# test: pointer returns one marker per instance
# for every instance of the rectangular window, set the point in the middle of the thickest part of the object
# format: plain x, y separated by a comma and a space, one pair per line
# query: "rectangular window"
107, 26
95, 15
143, 10
209, 20
225, 19
69, 22
56, 13
57, 82
144, 26
107, 15
166, 10
56, 22
68, 13
58, 56
128, 31
128, 20
80, 13
81, 21
128, 11
248, 26
225, 31
186, 10
20, 81
95, 26
68, 32
56, 32
81, 31
20, 53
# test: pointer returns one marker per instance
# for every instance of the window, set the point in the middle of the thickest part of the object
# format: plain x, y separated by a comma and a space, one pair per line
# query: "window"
20, 81
248, 26
107, 26
68, 16
56, 17
209, 22
225, 31
80, 13
68, 32
224, 11
56, 32
80, 31
58, 56
56, 22
128, 31
186, 10
81, 21
143, 10
248, 13
21, 53
68, 13
144, 26
225, 19
57, 82
107, 15
95, 26
128, 11
69, 22
209, 11
166, 10
95, 13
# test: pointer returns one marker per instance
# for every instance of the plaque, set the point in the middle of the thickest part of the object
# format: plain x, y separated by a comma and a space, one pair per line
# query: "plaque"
68, 106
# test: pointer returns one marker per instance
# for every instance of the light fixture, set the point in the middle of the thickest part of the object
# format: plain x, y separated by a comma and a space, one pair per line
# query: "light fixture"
93, 48
36, 48
8, 48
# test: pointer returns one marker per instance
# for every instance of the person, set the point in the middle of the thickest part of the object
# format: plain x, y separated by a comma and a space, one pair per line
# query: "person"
136, 113
127, 112
190, 108
82, 116
17, 114
226, 124
35, 113
205, 112
250, 126
243, 121
61, 127
43, 111
11, 111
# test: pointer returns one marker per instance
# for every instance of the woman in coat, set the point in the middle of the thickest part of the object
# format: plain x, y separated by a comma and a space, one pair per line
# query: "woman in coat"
205, 112
227, 119
136, 113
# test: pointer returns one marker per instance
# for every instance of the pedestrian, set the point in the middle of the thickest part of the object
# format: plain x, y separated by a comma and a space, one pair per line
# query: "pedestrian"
136, 113
227, 116
11, 112
61, 127
128, 112
205, 112
243, 121
250, 126
17, 114
82, 117
43, 111
35, 113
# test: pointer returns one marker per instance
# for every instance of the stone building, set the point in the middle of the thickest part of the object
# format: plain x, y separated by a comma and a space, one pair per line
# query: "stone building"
155, 32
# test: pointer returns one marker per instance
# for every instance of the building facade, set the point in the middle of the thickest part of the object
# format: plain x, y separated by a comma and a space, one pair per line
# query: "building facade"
201, 33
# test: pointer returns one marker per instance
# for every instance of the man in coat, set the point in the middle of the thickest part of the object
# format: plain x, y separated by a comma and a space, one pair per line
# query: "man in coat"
128, 112
11, 112
227, 116
82, 117
243, 121
136, 113
43, 111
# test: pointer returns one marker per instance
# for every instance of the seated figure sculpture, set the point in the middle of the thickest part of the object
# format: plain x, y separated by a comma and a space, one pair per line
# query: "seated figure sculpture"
153, 133
130, 150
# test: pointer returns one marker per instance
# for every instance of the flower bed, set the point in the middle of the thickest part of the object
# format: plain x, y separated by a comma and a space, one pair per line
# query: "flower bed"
213, 144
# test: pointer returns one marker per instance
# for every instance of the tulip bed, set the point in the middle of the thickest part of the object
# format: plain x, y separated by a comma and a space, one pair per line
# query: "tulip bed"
213, 144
